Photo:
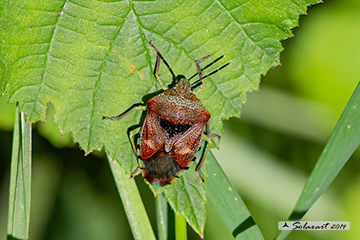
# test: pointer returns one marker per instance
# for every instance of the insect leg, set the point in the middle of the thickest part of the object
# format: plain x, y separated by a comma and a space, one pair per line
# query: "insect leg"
156, 72
208, 140
211, 134
132, 133
197, 64
136, 108
134, 172
157, 66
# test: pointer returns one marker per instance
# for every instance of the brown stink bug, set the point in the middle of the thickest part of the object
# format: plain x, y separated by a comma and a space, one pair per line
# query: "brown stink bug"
173, 128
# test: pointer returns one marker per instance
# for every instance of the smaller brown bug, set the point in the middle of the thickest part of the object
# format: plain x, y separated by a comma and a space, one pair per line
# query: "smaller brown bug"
173, 128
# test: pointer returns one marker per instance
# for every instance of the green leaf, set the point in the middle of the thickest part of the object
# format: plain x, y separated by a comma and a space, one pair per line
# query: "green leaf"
343, 142
187, 197
92, 59
20, 180
229, 204
161, 216
134, 208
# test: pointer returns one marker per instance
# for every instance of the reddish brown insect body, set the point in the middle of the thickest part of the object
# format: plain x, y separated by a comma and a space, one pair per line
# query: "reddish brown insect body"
174, 125
172, 131
161, 168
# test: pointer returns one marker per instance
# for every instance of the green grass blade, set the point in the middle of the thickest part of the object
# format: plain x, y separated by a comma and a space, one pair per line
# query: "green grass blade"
20, 180
187, 197
130, 197
180, 228
228, 203
161, 216
341, 145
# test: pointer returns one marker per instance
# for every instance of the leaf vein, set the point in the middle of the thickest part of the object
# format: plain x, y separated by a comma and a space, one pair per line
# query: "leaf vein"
47, 54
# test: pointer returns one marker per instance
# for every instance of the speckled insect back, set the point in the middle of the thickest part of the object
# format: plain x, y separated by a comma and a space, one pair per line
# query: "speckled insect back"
172, 131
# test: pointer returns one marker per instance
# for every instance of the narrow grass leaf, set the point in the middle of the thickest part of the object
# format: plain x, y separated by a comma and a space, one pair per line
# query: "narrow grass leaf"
133, 205
20, 180
161, 216
343, 142
228, 204
180, 228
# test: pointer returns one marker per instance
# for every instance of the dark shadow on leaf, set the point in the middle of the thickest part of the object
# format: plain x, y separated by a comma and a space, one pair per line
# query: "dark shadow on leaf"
246, 224
10, 237
147, 97
137, 126
297, 215
178, 77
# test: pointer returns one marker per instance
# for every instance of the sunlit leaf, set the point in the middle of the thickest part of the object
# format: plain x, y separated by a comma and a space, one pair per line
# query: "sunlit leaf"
92, 59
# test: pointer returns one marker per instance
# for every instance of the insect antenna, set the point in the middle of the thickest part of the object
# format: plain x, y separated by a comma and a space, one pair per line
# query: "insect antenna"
161, 57
215, 71
207, 66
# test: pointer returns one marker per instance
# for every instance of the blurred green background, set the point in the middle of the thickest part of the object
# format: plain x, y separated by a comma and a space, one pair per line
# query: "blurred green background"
268, 153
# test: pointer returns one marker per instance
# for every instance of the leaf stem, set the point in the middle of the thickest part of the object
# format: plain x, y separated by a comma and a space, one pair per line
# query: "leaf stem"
180, 227
133, 205
161, 216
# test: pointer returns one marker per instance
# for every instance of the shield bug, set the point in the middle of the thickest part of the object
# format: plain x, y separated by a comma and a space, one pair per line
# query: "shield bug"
173, 128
